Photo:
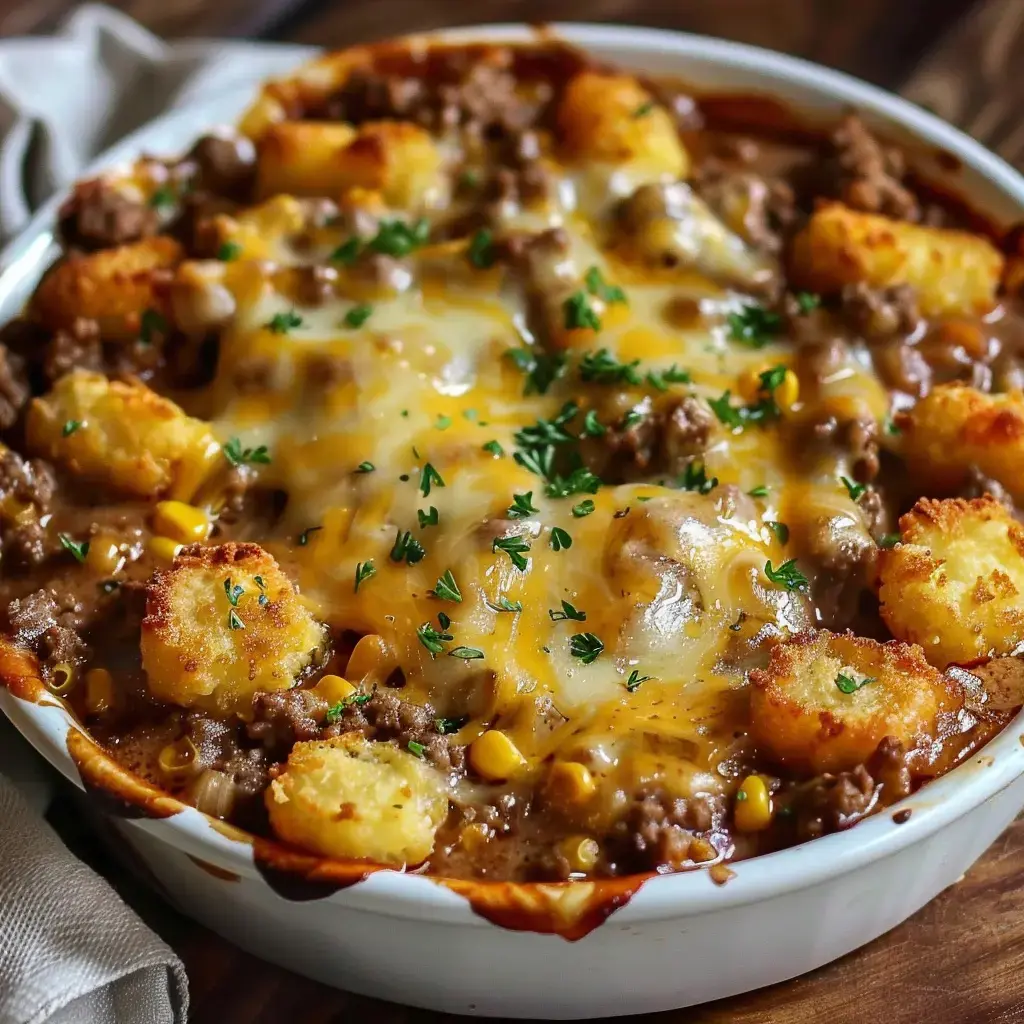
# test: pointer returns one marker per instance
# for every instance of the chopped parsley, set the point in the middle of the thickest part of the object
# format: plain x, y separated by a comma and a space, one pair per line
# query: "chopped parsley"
695, 478
634, 680
447, 589
433, 639
584, 508
233, 593
522, 506
781, 530
643, 110
229, 251
787, 575
632, 418
578, 313
150, 324
514, 548
347, 252
560, 539
888, 540
70, 426
446, 726
304, 536
493, 448
503, 604
567, 612
364, 571
754, 326
282, 323
660, 379
442, 422
481, 249
597, 286
428, 518
592, 426
892, 428
357, 699
466, 653
407, 548
234, 620
416, 749
163, 197
396, 238
807, 302
428, 477
737, 417
602, 367
854, 490
585, 646
79, 550
541, 369
760, 491
548, 431
579, 481
358, 315
237, 455
263, 600
365, 467
847, 684
537, 460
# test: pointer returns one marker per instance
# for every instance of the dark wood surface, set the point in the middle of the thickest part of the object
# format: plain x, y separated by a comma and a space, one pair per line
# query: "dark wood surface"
961, 959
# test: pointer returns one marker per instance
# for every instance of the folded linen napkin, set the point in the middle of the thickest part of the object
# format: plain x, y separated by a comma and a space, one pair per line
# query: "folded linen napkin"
71, 952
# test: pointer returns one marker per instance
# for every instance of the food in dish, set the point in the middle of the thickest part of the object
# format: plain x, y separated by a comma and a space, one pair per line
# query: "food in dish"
492, 461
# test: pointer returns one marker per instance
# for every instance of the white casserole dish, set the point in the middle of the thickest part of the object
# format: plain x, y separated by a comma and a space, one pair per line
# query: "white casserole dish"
678, 939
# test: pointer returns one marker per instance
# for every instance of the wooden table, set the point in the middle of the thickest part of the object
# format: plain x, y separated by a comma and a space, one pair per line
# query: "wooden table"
961, 959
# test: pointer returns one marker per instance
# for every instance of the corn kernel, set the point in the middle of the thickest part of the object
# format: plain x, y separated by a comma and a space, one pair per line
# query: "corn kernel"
333, 688
104, 556
164, 548
494, 756
370, 656
749, 383
581, 852
570, 782
753, 808
751, 387
181, 522
99, 691
474, 836
787, 393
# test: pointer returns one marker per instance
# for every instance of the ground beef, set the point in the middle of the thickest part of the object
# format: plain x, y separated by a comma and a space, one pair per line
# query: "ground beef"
902, 367
196, 224
978, 485
77, 348
26, 481
316, 285
658, 830
222, 745
253, 374
387, 717
97, 216
49, 621
833, 802
760, 208
870, 174
881, 312
15, 389
685, 430
820, 360
857, 437
283, 718
225, 165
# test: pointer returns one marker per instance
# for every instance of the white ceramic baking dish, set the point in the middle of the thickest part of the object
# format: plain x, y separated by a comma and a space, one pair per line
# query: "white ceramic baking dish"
667, 941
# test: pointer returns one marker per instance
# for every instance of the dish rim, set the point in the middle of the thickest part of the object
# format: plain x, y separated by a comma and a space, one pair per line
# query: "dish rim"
406, 895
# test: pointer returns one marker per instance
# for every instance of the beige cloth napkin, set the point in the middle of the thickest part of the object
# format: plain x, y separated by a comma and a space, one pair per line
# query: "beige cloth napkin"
71, 952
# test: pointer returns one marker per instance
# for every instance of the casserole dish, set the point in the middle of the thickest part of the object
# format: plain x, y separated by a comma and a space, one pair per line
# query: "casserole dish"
637, 943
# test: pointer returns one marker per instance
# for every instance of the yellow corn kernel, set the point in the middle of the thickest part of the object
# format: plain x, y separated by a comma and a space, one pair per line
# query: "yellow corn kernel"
751, 387
62, 678
788, 392
104, 556
164, 548
333, 688
753, 809
193, 472
570, 782
748, 384
181, 522
581, 852
370, 656
494, 756
474, 836
99, 691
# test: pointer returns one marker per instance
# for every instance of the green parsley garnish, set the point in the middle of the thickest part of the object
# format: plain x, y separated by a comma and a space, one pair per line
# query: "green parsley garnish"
806, 302
447, 589
781, 530
481, 249
847, 684
600, 288
634, 680
229, 251
567, 612
364, 571
522, 506
560, 539
358, 315
446, 726
428, 518
233, 593
514, 548
434, 640
537, 460
304, 536
347, 252
396, 238
263, 599
282, 323
466, 653
69, 544
365, 467
892, 428
644, 109
503, 604
162, 197
592, 426
442, 422
151, 323
577, 313
70, 426
754, 326
760, 491
579, 481
584, 508
234, 620
602, 367
357, 699
632, 418
493, 448
428, 477
787, 575
695, 478
888, 540
541, 369
660, 379
407, 548
740, 796
416, 749
585, 646
237, 455
736, 417
854, 490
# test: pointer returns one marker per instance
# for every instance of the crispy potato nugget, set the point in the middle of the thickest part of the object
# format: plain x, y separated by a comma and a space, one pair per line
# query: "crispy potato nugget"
222, 623
613, 119
953, 271
114, 286
126, 434
316, 158
802, 717
955, 585
955, 427
351, 798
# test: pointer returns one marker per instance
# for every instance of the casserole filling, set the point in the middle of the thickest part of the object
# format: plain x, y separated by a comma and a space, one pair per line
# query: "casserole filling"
491, 461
